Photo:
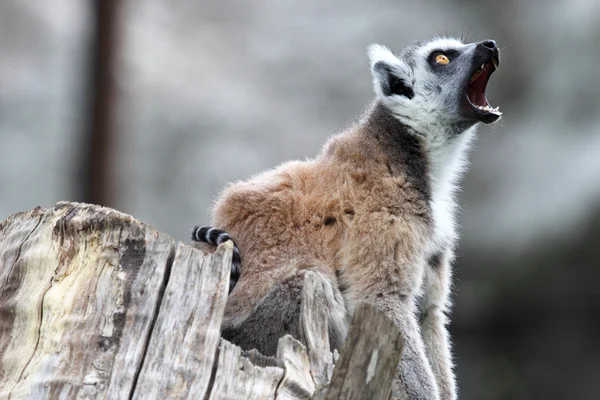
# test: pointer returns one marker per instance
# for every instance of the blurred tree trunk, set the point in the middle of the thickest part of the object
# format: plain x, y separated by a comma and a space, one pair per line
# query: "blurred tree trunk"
97, 185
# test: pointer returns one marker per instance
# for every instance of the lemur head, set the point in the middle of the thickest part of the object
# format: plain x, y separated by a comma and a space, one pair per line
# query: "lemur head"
439, 84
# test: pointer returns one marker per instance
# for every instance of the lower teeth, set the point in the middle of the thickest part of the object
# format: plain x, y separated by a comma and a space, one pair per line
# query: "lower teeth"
489, 109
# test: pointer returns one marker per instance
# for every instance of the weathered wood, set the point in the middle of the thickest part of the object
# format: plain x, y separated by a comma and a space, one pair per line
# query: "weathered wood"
77, 301
237, 377
369, 358
94, 304
318, 300
183, 347
259, 360
12, 239
297, 382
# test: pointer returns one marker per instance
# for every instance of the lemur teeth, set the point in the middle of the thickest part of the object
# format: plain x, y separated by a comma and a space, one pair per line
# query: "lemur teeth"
489, 109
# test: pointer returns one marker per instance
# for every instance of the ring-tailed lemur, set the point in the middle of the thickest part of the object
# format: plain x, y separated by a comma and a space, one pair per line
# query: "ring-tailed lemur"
376, 209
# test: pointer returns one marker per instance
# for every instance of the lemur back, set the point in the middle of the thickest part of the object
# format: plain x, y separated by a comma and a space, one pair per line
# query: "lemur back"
374, 211
309, 214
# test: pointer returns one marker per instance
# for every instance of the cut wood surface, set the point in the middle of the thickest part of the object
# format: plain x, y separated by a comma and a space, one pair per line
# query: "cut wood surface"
95, 304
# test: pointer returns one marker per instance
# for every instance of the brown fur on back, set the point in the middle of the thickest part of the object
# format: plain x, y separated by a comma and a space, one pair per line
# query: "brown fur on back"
359, 213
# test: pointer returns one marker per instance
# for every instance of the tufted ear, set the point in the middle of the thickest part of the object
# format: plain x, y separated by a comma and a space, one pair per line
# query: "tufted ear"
391, 76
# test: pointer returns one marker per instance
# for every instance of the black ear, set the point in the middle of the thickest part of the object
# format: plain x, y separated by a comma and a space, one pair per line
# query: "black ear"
390, 82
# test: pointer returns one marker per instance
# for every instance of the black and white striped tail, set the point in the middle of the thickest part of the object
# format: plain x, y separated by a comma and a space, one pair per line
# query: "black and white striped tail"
215, 237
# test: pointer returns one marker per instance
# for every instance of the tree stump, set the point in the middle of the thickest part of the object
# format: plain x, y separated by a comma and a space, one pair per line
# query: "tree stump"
94, 304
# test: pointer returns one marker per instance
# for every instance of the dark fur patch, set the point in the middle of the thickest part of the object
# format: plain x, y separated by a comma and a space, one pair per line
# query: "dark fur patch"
435, 261
276, 315
391, 83
329, 221
404, 149
342, 286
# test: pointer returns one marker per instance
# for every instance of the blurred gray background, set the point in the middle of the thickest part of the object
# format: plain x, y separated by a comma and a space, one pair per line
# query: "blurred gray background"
205, 92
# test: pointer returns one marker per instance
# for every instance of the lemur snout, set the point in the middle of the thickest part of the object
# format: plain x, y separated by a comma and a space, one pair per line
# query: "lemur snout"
489, 45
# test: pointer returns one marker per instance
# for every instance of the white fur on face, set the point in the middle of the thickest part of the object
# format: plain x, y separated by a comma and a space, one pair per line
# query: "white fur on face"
439, 43
428, 110
379, 53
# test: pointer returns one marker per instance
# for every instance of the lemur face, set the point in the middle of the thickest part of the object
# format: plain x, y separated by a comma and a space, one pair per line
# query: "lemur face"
440, 82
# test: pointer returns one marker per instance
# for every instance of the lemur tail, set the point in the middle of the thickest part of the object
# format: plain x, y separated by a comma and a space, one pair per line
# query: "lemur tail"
215, 237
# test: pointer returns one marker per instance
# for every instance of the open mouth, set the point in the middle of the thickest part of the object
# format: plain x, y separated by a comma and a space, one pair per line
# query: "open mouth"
475, 92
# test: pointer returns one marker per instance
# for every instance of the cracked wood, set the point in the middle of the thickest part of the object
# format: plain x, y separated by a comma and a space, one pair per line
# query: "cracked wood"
183, 348
368, 361
80, 285
94, 304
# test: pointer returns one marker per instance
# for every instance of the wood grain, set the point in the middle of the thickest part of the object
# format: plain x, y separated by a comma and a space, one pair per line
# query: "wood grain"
297, 382
183, 348
94, 304
369, 359
80, 285
238, 378
317, 297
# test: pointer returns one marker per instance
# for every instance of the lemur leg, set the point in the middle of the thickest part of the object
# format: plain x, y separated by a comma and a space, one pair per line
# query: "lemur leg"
215, 237
434, 306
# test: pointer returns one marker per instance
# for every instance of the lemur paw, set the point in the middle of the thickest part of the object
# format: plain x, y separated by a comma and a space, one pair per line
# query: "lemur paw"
215, 237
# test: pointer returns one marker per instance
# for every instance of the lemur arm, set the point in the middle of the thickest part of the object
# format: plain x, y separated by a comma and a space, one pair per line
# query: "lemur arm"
382, 267
434, 305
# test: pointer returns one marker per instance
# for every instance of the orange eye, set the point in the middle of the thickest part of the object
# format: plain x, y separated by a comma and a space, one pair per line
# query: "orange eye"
441, 59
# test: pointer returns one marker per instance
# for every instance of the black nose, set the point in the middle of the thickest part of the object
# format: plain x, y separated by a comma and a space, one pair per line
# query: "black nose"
489, 45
